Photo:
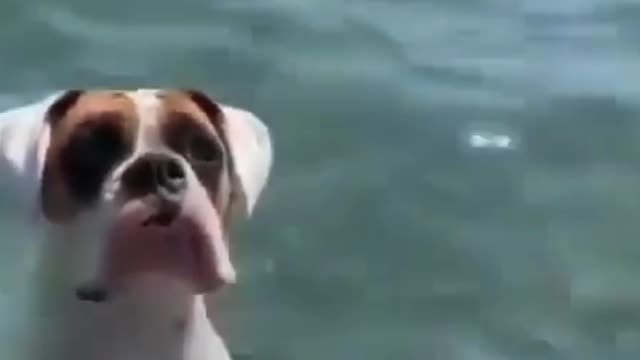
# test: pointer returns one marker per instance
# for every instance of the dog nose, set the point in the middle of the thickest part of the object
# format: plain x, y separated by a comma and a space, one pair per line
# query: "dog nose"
156, 173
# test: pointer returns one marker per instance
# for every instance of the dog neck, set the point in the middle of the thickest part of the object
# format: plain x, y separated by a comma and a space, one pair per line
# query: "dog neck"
155, 318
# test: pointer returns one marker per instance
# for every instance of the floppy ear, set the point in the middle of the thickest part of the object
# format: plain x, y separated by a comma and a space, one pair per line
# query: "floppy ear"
249, 144
24, 139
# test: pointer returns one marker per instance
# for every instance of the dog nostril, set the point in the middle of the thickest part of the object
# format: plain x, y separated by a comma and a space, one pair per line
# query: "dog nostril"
139, 177
171, 176
174, 170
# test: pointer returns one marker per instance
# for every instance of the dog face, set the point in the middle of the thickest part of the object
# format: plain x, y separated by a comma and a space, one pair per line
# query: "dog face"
150, 181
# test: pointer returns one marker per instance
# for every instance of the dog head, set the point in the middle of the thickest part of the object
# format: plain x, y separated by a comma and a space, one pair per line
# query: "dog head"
149, 181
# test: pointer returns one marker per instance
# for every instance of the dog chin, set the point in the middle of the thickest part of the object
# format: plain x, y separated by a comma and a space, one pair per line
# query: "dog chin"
147, 242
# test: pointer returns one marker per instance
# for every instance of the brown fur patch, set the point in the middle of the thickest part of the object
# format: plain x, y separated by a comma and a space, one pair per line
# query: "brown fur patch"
71, 111
192, 108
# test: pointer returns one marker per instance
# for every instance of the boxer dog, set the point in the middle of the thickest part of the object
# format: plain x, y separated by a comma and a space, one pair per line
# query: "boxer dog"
135, 193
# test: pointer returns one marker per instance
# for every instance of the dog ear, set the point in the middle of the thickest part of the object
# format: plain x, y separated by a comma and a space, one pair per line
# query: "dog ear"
248, 141
24, 141
54, 201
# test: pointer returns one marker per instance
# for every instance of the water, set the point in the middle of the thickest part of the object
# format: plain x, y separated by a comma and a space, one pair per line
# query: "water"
453, 179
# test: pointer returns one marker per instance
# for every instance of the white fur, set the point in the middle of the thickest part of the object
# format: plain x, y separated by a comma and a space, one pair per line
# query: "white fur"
252, 152
137, 326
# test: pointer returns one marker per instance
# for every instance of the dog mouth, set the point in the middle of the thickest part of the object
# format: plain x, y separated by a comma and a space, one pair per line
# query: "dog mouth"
182, 242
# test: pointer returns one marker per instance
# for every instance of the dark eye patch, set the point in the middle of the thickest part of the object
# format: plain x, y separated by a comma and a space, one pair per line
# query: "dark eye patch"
186, 137
91, 152
200, 148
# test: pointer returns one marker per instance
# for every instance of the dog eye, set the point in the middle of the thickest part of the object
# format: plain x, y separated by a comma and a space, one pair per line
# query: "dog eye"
201, 148
89, 155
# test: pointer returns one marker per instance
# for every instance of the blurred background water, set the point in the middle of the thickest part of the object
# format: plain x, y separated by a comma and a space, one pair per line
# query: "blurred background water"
454, 179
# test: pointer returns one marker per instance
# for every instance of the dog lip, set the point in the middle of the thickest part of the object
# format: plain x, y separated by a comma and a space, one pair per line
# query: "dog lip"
184, 241
167, 208
161, 218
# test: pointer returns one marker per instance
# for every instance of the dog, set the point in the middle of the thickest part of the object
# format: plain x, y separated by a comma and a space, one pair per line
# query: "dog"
133, 194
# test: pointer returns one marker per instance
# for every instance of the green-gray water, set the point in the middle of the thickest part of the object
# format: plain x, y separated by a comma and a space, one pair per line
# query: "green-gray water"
386, 232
